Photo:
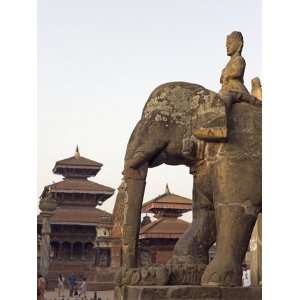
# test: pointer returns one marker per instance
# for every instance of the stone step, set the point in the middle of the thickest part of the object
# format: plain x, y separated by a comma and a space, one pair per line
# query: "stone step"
92, 285
97, 278
188, 292
65, 268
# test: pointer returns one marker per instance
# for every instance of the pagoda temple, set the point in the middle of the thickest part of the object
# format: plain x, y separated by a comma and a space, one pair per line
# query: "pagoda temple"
157, 238
77, 223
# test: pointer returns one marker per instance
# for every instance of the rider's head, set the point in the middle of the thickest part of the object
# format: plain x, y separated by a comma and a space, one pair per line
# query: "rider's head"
234, 43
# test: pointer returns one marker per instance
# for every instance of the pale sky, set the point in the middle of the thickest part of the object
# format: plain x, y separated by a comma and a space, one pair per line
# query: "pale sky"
98, 61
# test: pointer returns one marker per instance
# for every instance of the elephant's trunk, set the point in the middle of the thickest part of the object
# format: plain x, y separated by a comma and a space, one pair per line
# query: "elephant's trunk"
135, 187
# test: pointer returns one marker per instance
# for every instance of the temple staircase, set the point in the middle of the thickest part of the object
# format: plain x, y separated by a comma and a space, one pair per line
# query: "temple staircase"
97, 278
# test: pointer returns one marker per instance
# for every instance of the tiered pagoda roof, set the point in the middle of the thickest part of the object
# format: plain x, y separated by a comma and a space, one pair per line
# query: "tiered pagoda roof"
77, 166
75, 185
79, 216
76, 196
168, 203
171, 228
166, 209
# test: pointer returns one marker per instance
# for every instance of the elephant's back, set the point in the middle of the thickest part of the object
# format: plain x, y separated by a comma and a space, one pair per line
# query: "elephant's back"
170, 102
245, 129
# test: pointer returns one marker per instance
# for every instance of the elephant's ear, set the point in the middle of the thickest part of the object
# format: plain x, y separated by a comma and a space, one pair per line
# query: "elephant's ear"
209, 119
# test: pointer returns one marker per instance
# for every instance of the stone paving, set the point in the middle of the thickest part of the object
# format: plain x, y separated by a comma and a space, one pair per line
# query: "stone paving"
103, 295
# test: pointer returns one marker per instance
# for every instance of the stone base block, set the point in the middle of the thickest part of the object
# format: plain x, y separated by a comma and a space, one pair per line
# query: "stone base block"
187, 292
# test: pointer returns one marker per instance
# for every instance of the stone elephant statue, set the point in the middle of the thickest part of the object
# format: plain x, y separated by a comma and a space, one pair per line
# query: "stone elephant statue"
186, 124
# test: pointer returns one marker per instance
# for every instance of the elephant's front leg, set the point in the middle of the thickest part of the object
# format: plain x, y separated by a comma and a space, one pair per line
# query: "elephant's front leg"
200, 236
135, 186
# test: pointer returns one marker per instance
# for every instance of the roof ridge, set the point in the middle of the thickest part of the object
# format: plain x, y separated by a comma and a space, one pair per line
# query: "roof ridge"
83, 215
150, 225
78, 158
177, 219
85, 158
165, 195
78, 186
165, 223
154, 199
78, 179
104, 211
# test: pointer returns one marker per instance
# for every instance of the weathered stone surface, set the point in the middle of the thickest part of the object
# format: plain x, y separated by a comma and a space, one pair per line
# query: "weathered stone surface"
232, 77
256, 89
200, 110
219, 138
209, 119
185, 273
188, 293
47, 206
194, 292
170, 274
249, 293
119, 211
153, 275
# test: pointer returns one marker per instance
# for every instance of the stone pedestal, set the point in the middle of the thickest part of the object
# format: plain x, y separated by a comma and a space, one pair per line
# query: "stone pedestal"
187, 292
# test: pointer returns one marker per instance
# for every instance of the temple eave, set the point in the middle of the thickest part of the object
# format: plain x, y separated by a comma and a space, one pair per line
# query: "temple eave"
82, 192
150, 206
160, 236
66, 166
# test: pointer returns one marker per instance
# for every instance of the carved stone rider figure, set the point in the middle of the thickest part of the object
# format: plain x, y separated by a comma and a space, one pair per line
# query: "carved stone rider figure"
232, 77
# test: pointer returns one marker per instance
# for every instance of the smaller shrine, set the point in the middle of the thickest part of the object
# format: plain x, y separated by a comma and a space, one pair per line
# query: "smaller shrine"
157, 238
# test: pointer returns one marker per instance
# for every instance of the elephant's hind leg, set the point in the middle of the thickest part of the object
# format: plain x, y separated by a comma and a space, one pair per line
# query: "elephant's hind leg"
194, 245
191, 251
234, 229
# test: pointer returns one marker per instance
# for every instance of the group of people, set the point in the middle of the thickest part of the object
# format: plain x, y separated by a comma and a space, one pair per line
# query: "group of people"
75, 290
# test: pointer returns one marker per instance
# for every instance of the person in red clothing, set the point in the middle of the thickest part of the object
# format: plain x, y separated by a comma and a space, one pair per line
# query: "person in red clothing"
41, 287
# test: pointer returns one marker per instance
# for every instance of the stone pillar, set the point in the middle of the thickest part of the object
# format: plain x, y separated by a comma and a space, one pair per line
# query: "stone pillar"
256, 253
45, 246
47, 207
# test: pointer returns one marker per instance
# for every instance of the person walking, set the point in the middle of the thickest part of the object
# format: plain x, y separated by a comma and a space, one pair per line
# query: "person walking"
41, 287
61, 285
83, 288
246, 279
76, 294
71, 283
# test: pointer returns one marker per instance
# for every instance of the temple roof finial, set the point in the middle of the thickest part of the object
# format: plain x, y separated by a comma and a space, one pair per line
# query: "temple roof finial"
77, 154
167, 191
